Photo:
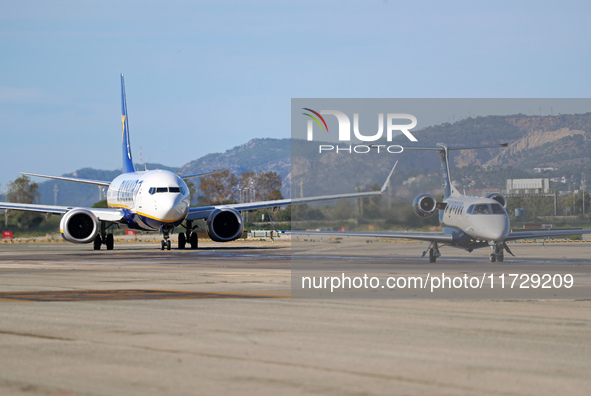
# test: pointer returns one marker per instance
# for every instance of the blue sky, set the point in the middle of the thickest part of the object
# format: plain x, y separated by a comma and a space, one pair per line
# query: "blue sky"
205, 76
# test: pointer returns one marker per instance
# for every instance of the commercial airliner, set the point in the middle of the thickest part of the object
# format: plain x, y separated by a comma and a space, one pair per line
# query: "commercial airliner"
467, 222
153, 200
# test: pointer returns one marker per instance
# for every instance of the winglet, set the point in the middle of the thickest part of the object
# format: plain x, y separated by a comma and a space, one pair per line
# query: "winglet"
383, 190
127, 161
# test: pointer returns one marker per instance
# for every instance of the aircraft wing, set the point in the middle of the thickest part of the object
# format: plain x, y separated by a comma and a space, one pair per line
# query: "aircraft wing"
184, 177
513, 236
418, 236
204, 211
103, 214
201, 212
72, 179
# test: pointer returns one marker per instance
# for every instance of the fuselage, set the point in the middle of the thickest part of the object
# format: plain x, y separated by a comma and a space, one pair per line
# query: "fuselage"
481, 219
151, 199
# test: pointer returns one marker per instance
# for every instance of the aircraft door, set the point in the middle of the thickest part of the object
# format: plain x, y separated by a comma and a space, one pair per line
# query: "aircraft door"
139, 201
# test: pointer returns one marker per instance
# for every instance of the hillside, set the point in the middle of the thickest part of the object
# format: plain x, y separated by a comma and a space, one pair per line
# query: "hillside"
268, 155
561, 142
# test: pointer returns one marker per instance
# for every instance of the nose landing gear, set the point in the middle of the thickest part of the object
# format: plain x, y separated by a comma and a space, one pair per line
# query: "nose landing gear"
496, 253
165, 244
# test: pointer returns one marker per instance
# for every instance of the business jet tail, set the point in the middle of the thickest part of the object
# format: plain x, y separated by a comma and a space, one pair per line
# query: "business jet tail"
443, 149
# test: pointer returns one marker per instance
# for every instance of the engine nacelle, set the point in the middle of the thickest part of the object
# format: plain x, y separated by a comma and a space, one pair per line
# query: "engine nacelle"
224, 225
424, 205
79, 226
499, 198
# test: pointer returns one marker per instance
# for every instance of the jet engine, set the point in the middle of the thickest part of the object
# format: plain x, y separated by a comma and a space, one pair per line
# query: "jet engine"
224, 225
79, 226
499, 198
424, 205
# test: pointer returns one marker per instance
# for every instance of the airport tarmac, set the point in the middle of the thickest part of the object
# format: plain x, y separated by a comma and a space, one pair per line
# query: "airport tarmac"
222, 320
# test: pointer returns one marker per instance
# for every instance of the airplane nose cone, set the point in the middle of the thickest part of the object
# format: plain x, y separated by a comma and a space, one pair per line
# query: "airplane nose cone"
180, 207
495, 229
173, 208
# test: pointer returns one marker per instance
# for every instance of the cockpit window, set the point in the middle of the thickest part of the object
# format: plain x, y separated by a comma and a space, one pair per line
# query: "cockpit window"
479, 209
175, 190
497, 209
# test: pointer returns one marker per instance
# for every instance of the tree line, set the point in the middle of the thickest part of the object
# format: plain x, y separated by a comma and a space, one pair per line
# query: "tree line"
224, 187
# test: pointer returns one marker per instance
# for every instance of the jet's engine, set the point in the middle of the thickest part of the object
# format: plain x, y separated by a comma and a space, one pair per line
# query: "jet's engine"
499, 198
224, 225
79, 226
424, 205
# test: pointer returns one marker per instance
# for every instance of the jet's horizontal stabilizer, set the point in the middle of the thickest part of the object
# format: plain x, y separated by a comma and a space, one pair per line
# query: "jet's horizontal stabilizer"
441, 146
444, 149
477, 147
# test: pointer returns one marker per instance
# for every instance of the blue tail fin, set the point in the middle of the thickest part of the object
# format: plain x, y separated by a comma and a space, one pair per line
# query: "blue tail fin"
127, 161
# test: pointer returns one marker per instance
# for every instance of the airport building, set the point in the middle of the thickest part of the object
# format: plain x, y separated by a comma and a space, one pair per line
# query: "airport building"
528, 186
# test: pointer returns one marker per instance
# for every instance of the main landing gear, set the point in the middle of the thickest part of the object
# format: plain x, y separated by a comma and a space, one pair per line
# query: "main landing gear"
434, 253
103, 238
189, 237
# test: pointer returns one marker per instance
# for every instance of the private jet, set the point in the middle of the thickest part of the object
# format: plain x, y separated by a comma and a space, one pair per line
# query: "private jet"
467, 222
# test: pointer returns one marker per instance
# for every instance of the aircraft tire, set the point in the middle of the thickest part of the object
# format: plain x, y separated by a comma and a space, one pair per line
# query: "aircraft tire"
168, 246
110, 242
432, 257
182, 240
162, 245
194, 240
97, 242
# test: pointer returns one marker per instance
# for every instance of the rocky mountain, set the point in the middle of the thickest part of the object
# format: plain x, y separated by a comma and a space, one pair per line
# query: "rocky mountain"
257, 155
562, 141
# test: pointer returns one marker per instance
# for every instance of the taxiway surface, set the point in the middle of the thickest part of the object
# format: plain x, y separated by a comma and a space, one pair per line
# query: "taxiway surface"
220, 320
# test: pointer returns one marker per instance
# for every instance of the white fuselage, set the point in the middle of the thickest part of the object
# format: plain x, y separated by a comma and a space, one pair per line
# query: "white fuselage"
150, 199
483, 219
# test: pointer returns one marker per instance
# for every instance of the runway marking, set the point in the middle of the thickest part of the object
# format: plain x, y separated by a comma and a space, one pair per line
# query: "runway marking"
125, 295
239, 275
